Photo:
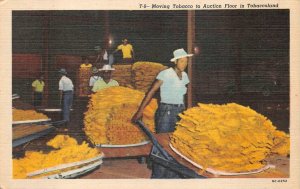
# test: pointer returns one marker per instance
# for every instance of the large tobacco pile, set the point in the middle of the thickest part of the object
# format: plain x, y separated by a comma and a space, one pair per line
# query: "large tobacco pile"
139, 76
108, 119
23, 115
230, 137
122, 74
67, 150
144, 73
84, 74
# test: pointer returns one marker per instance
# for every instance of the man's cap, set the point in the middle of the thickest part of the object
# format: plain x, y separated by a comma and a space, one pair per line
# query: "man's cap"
63, 71
94, 70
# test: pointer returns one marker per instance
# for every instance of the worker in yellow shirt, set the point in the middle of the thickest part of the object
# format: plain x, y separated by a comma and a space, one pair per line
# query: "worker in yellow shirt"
127, 50
37, 90
85, 62
84, 76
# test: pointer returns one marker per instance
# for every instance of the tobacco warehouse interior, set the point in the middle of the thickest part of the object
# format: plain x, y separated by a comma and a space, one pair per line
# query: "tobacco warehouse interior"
227, 69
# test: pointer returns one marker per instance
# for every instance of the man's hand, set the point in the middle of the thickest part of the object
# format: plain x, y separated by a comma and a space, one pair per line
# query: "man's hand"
138, 115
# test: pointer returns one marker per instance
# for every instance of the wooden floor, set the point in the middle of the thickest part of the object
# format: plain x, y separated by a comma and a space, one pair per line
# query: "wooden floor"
121, 169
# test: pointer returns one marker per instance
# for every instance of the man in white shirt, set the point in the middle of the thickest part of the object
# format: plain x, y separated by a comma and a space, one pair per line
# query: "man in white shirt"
66, 88
102, 56
94, 78
172, 84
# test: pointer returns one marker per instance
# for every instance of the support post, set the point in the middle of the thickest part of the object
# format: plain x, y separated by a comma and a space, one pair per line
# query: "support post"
190, 49
45, 56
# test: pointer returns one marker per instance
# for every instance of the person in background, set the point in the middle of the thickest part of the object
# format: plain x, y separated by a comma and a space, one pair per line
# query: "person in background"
38, 90
84, 74
111, 59
106, 81
85, 62
172, 83
66, 88
127, 51
95, 77
102, 56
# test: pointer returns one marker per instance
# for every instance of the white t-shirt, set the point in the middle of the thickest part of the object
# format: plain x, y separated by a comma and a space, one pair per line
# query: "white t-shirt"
65, 84
105, 55
173, 89
93, 80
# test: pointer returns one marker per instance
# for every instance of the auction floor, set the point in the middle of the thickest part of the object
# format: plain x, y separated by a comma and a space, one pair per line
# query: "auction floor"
120, 168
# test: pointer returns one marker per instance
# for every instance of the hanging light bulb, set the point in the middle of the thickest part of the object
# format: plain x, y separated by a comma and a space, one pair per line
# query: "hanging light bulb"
196, 50
110, 40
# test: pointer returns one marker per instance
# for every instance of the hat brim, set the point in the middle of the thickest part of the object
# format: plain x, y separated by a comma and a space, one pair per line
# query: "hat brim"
107, 69
178, 57
62, 72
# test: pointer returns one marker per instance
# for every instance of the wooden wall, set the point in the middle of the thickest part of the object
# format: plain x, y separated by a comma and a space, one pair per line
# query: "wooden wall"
21, 68
241, 53
25, 69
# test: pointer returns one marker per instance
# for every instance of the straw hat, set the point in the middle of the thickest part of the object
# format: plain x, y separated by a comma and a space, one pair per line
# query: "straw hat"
107, 67
180, 53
